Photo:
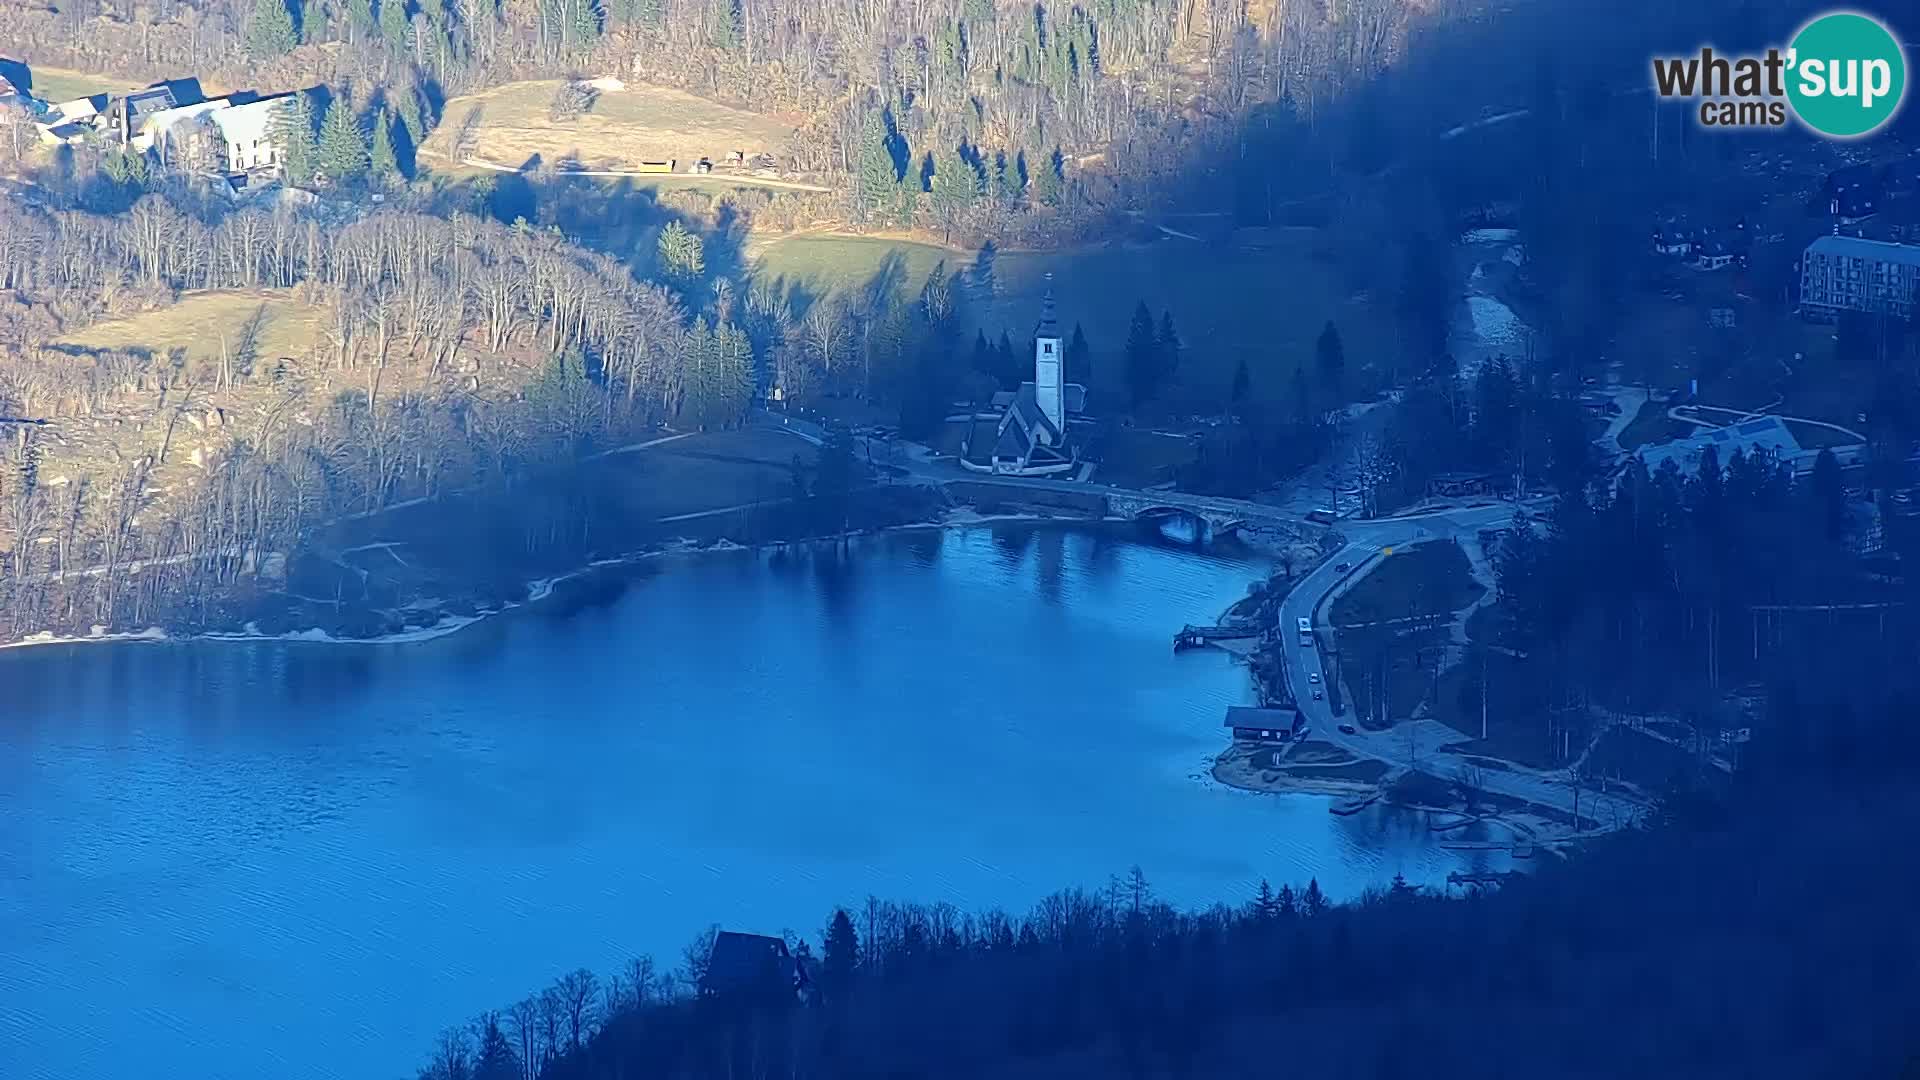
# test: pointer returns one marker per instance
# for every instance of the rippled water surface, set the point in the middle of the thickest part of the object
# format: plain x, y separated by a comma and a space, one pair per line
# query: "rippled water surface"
273, 860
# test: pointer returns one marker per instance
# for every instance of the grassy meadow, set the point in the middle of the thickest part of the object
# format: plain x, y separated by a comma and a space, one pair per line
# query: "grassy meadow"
1267, 306
205, 322
623, 128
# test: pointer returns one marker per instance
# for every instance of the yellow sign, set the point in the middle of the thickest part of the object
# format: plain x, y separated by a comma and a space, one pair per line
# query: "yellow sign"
1386, 551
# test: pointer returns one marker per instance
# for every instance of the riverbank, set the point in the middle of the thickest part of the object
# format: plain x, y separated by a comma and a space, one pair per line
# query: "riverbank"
537, 590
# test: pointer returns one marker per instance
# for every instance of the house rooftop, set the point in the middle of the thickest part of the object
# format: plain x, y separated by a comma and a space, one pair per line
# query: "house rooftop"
1248, 716
1765, 433
747, 961
1860, 248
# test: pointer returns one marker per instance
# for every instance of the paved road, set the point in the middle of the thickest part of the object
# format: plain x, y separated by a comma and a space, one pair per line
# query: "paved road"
1418, 742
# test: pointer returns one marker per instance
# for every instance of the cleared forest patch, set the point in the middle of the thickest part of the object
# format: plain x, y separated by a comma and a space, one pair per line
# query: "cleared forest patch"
513, 125
268, 325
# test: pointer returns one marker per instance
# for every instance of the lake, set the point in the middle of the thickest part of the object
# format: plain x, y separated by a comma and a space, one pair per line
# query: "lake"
247, 860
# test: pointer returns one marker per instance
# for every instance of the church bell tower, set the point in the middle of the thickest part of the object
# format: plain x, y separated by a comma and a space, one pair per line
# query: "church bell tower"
1049, 381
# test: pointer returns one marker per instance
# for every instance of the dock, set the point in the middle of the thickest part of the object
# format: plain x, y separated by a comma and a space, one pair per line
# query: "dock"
1353, 806
1193, 637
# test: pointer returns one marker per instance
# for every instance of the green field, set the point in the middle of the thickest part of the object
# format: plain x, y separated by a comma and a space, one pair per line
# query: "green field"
1378, 643
1267, 306
60, 84
203, 323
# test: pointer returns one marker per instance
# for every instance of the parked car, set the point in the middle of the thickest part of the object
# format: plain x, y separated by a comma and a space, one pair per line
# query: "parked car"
1347, 729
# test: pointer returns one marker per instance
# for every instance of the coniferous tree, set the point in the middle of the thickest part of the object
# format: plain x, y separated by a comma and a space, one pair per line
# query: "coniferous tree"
955, 186
292, 133
1143, 356
682, 254
1242, 388
840, 956
495, 1059
360, 19
1013, 368
1046, 180
270, 30
733, 373
343, 153
1313, 901
1331, 357
393, 23
1829, 495
383, 164
1265, 907
312, 22
1168, 342
877, 178
1078, 359
983, 356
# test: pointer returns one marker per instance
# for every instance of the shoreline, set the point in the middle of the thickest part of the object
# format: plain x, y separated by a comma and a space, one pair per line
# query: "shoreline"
538, 590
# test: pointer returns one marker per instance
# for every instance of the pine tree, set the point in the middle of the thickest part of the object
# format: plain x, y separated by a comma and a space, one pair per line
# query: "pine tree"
983, 355
313, 21
1006, 179
682, 254
1170, 347
1265, 907
840, 956
1829, 495
292, 133
1013, 370
1143, 356
878, 178
733, 373
393, 23
956, 183
496, 1058
583, 24
359, 19
1331, 357
270, 30
412, 114
1077, 361
383, 163
342, 146
1046, 179
1242, 387
1313, 901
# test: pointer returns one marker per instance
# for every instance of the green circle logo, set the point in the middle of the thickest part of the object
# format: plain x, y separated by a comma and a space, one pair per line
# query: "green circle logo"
1847, 75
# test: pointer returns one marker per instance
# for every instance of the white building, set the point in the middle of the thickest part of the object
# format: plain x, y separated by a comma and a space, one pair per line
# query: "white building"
1030, 437
248, 132
1846, 273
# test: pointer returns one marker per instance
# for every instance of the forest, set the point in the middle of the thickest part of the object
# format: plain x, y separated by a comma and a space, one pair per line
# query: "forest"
452, 353
987, 109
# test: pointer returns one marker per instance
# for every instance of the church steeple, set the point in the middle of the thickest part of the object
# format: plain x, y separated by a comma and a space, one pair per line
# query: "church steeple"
1049, 383
1048, 327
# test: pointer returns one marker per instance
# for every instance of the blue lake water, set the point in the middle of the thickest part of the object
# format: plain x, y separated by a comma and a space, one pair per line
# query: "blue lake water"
229, 861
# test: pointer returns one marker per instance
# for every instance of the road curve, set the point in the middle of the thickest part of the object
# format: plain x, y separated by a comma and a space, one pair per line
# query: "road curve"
1417, 743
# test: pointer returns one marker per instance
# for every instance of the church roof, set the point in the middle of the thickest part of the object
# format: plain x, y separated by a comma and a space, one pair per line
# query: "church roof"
1049, 326
1026, 413
1014, 442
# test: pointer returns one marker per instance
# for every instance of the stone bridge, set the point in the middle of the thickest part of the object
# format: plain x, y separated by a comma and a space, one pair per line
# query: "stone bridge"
1221, 515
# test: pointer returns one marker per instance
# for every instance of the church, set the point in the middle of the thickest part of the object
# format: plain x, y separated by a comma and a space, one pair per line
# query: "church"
1029, 437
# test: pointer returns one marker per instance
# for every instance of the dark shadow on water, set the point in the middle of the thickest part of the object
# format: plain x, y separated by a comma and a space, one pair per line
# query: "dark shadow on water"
1049, 547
